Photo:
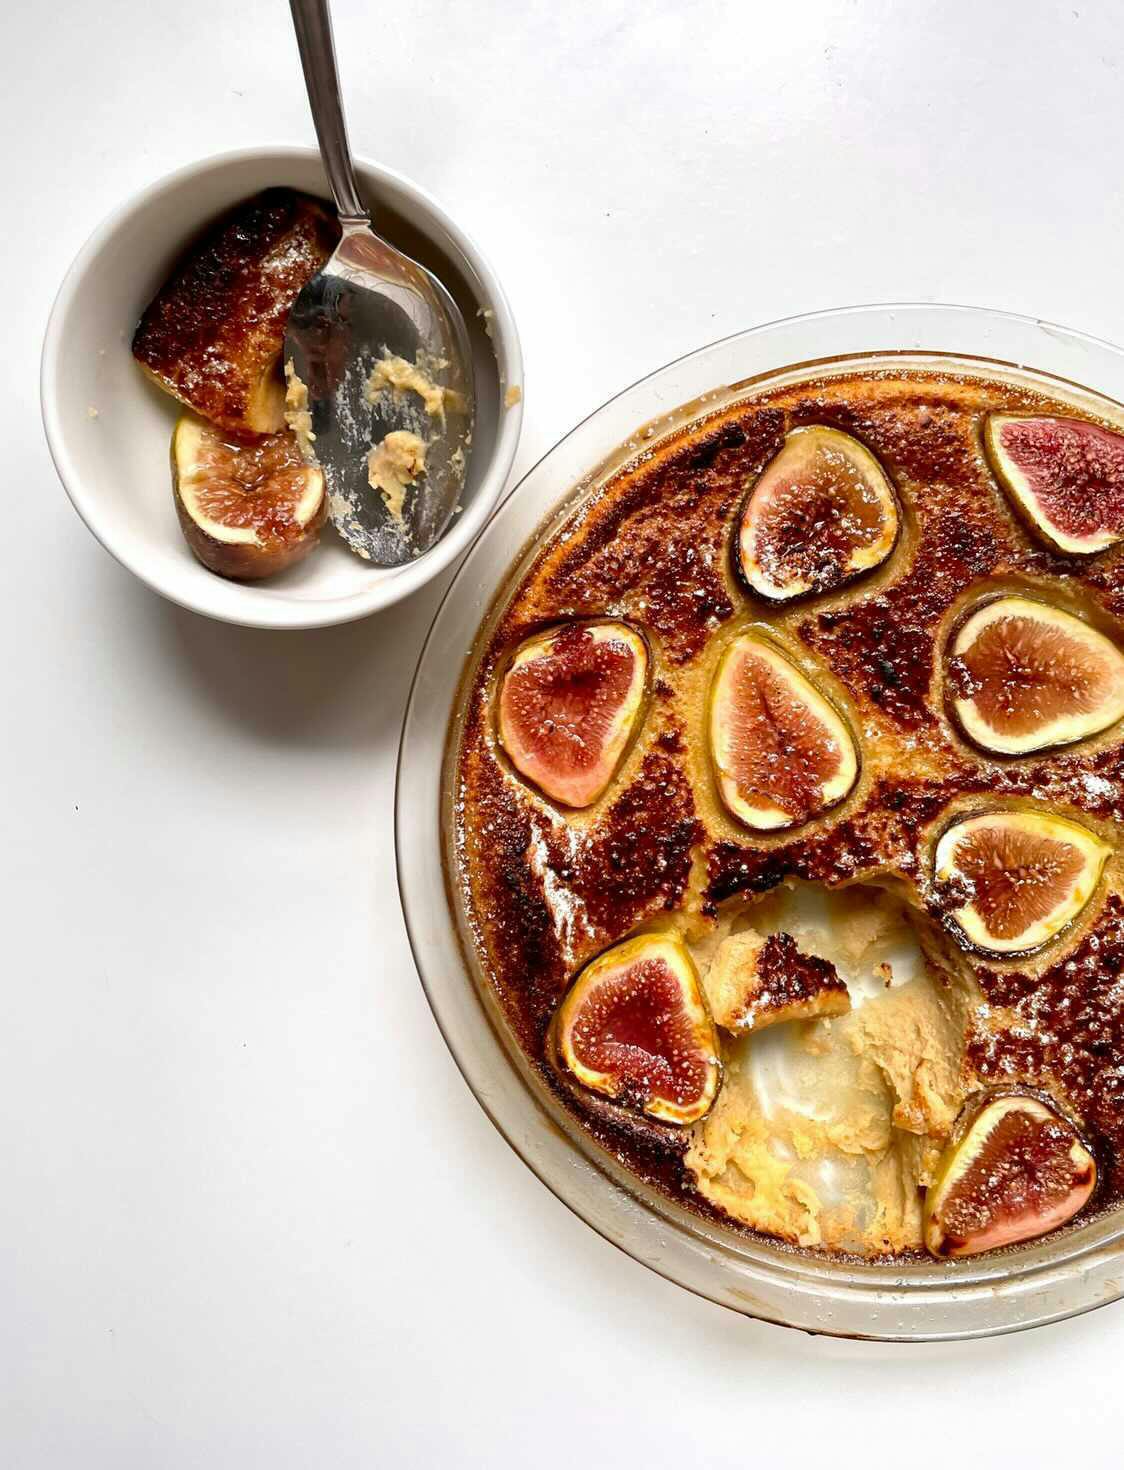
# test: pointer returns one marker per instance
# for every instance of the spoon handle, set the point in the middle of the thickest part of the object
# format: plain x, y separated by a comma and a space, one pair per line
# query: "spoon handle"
312, 22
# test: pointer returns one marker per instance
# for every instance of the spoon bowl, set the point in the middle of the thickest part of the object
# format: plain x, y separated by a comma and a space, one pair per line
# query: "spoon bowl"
371, 303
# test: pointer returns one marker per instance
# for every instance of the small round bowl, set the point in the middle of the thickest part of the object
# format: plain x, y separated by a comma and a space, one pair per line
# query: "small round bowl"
1068, 1272
109, 429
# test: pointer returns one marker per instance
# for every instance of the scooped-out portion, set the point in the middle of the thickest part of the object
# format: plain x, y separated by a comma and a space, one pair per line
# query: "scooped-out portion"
827, 1131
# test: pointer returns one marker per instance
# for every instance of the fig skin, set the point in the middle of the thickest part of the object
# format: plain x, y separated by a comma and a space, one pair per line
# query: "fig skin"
241, 560
669, 953
585, 786
815, 794
1073, 639
816, 550
1060, 1159
1090, 473
1081, 851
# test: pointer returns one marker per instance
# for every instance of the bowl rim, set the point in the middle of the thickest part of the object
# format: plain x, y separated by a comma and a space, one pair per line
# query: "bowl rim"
1070, 1274
279, 612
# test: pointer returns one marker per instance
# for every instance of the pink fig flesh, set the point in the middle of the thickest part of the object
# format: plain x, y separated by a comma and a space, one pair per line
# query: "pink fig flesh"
1018, 1171
635, 1028
1064, 476
568, 705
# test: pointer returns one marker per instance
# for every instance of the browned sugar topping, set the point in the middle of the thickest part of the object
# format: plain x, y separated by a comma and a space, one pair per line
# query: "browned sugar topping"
215, 329
659, 546
787, 976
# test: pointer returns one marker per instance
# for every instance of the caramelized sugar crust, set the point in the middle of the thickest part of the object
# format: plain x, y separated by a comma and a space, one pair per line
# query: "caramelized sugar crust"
545, 891
212, 337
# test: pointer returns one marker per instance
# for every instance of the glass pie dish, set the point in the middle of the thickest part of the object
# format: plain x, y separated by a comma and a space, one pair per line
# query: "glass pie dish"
1066, 1273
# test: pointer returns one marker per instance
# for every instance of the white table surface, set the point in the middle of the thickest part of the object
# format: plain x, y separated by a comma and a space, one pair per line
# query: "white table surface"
249, 1213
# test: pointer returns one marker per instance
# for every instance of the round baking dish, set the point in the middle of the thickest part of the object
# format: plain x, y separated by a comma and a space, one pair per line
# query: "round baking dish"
1068, 1273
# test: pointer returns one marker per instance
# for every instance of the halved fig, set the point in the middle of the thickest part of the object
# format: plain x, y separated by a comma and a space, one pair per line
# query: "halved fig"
822, 512
246, 510
1018, 1171
1064, 476
782, 752
635, 1028
1026, 676
568, 705
1017, 878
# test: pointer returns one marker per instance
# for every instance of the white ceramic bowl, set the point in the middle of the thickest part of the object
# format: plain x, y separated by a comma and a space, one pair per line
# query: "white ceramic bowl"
109, 429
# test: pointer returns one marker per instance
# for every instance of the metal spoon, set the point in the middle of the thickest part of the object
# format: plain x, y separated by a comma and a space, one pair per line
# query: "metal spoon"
369, 303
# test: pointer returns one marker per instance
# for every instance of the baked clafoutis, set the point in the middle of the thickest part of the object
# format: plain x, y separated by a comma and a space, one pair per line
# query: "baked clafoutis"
787, 790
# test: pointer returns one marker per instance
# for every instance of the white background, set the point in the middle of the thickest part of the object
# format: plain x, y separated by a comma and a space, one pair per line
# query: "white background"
249, 1214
